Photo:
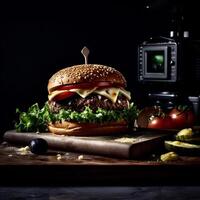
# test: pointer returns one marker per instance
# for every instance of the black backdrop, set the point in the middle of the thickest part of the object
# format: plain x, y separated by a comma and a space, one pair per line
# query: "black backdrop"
39, 39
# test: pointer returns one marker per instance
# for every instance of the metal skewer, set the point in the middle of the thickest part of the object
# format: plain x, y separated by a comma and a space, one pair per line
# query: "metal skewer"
85, 51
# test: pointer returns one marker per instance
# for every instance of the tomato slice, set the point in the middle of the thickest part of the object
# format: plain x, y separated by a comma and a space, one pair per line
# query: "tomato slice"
63, 95
100, 84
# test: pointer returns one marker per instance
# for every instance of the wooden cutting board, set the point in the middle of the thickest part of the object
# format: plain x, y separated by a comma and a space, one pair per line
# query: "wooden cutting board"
133, 145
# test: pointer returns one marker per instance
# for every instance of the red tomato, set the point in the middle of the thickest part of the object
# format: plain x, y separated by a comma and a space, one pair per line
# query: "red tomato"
145, 115
182, 118
178, 117
190, 118
169, 124
159, 122
63, 95
156, 122
100, 84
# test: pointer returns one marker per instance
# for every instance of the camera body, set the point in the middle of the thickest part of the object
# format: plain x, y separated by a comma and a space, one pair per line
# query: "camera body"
170, 63
158, 61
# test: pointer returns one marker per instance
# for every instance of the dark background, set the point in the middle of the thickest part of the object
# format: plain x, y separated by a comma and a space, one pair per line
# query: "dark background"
38, 39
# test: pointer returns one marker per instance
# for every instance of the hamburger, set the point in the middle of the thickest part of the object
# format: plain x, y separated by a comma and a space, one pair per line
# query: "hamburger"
89, 99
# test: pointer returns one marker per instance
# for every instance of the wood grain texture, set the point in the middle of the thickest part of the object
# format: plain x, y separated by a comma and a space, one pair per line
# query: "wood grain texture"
142, 144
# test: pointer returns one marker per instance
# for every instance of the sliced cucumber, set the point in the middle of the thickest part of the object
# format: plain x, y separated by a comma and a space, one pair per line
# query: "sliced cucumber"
170, 156
182, 148
194, 140
187, 135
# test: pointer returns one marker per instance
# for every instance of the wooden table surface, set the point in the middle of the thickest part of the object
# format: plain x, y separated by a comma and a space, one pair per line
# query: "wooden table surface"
22, 168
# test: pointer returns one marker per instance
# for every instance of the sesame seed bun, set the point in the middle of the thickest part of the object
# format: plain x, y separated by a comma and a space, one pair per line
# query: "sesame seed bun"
85, 74
88, 129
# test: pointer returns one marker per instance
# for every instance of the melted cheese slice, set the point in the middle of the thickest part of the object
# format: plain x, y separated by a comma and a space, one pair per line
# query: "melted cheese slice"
83, 92
110, 93
113, 93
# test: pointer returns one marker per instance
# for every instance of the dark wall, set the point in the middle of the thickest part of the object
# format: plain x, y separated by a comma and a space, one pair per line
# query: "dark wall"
36, 40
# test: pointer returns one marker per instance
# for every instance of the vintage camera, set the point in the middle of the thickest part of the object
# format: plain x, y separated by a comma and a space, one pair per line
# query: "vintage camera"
168, 62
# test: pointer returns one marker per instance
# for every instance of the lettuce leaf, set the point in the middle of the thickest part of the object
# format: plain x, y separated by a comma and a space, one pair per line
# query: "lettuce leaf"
36, 119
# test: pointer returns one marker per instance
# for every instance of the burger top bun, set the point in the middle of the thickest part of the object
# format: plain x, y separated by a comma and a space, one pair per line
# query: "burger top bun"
85, 73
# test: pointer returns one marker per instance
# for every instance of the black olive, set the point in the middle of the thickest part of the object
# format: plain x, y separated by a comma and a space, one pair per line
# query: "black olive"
38, 146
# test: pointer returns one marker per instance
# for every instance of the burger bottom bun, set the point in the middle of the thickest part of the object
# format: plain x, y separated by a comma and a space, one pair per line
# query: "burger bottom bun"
88, 129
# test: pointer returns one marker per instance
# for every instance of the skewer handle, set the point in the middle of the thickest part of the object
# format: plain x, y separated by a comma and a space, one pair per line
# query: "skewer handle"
85, 51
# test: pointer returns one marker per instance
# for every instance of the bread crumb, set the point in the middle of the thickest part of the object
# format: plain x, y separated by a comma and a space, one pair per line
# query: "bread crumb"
125, 140
59, 157
80, 157
170, 156
23, 150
